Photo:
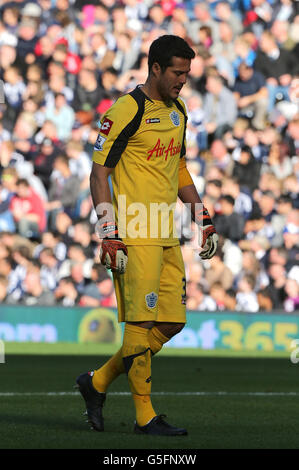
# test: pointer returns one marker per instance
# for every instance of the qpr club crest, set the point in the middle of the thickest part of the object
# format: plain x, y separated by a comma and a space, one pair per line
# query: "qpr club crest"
151, 300
174, 116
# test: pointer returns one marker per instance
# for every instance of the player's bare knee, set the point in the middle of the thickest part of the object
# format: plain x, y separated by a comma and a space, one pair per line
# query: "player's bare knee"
177, 327
170, 329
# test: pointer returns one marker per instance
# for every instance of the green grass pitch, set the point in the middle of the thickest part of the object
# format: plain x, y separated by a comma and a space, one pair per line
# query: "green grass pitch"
226, 402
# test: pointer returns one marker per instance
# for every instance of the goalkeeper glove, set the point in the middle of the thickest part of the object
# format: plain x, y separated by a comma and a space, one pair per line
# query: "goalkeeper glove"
208, 236
113, 252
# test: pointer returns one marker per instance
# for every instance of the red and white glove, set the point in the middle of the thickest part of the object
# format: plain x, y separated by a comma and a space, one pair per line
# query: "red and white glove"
208, 237
113, 252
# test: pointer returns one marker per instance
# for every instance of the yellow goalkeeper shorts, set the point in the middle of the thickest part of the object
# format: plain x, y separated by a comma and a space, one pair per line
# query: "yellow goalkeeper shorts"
153, 288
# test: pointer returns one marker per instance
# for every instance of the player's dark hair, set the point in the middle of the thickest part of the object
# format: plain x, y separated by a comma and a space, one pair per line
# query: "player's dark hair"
166, 47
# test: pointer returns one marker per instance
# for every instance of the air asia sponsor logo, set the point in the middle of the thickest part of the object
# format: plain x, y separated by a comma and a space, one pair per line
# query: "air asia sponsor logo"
152, 120
99, 142
160, 150
106, 126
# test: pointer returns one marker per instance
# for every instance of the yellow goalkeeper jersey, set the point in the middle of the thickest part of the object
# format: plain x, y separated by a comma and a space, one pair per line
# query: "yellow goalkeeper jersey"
143, 140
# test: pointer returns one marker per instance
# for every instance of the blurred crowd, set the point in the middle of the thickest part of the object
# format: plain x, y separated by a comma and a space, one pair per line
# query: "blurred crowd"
64, 62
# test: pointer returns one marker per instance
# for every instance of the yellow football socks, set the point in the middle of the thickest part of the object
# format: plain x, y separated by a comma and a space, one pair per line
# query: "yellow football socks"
137, 361
134, 357
144, 409
103, 377
156, 339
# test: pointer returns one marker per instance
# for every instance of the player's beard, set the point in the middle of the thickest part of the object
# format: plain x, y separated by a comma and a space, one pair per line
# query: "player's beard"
164, 91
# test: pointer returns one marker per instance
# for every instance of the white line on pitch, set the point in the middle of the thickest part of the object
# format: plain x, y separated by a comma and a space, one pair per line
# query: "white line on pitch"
178, 394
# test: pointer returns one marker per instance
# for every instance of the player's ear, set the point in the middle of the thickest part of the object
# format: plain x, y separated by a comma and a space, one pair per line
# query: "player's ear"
156, 69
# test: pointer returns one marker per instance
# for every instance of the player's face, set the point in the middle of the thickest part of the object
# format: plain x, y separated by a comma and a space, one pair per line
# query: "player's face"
170, 83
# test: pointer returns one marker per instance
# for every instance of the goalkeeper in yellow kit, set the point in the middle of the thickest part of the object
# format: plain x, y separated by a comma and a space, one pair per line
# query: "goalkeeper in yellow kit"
141, 144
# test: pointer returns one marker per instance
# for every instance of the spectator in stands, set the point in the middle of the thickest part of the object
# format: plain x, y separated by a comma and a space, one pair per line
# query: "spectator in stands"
251, 95
213, 189
82, 235
62, 115
291, 186
280, 31
291, 302
252, 267
225, 46
223, 12
221, 158
244, 53
28, 210
217, 293
76, 254
265, 300
3, 289
279, 160
88, 94
43, 158
78, 277
217, 272
252, 140
228, 223
79, 162
291, 242
259, 245
7, 190
64, 189
197, 299
229, 300
66, 293
24, 128
57, 84
13, 159
292, 136
14, 87
64, 227
243, 202
205, 36
27, 39
277, 277
10, 18
7, 271
53, 241
107, 292
267, 205
257, 226
277, 65
49, 271
283, 207
35, 293
157, 18
246, 169
246, 297
220, 108
202, 16
93, 292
